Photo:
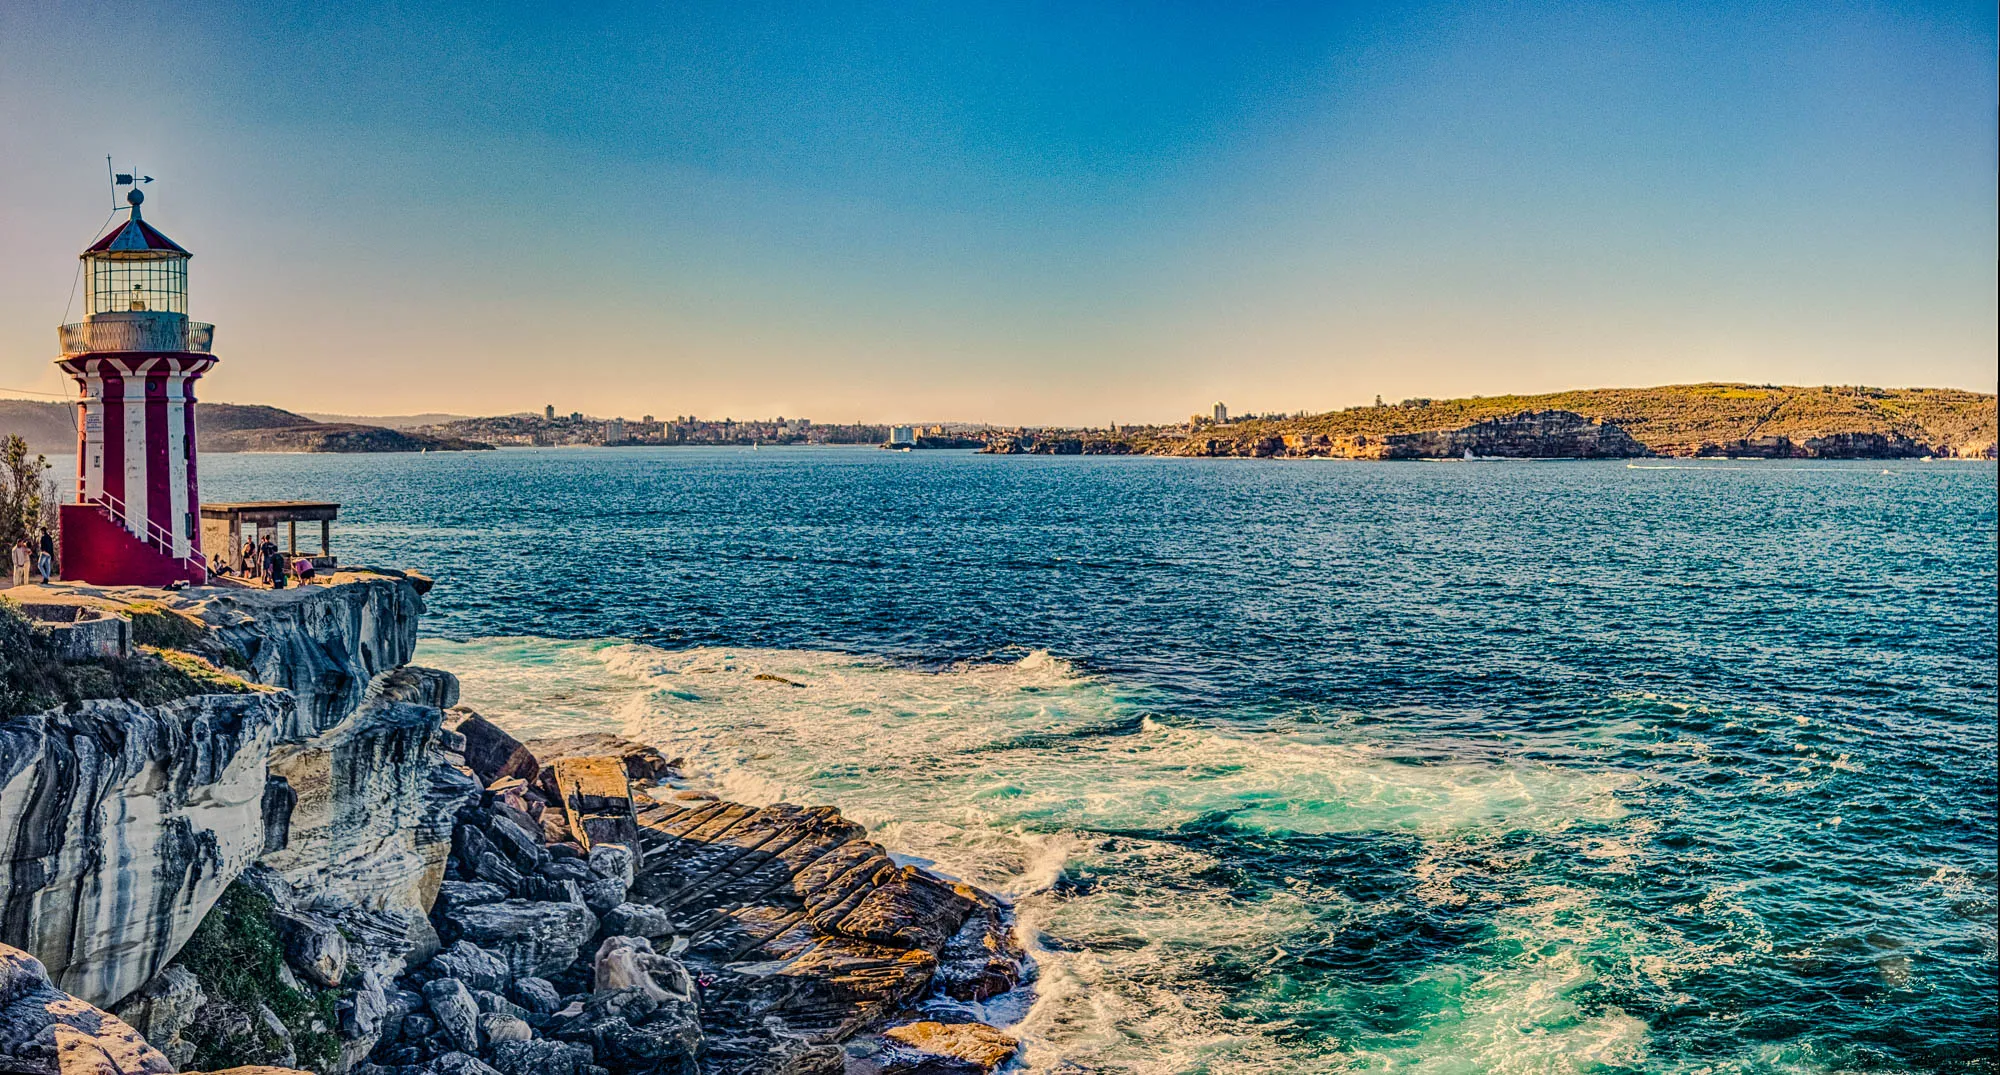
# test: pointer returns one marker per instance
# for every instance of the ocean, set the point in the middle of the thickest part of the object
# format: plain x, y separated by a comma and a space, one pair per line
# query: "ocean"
1300, 767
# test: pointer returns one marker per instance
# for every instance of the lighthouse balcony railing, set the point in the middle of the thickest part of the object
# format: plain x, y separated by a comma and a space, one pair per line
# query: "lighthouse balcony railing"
169, 332
159, 537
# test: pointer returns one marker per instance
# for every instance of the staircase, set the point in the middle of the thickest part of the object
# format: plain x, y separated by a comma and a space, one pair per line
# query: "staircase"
98, 549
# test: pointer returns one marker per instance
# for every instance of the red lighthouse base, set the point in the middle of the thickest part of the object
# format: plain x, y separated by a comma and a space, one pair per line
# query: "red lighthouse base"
97, 550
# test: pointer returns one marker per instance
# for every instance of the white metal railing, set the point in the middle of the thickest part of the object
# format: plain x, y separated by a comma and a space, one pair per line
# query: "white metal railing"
156, 535
168, 332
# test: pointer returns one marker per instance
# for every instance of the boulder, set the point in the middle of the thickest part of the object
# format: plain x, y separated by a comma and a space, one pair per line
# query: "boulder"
164, 1009
454, 894
313, 945
615, 861
471, 964
365, 1009
458, 1063
624, 963
491, 1003
490, 752
631, 1031
498, 1027
523, 849
568, 870
493, 869
457, 1015
542, 1057
597, 799
638, 920
603, 893
535, 994
930, 1048
982, 960
542, 890
534, 938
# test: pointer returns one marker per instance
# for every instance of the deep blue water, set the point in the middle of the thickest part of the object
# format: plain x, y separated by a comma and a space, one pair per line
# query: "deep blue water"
1467, 767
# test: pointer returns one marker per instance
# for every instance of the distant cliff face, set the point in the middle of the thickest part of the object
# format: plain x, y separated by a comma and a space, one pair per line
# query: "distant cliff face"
1528, 435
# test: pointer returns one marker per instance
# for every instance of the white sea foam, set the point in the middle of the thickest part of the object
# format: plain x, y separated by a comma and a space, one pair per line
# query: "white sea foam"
1027, 776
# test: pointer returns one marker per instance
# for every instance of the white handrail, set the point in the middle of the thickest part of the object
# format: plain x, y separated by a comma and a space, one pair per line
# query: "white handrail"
158, 536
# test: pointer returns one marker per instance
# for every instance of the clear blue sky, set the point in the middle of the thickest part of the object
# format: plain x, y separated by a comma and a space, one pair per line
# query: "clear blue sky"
1062, 213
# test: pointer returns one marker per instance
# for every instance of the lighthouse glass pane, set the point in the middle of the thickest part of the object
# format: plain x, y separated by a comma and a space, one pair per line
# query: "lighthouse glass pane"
118, 284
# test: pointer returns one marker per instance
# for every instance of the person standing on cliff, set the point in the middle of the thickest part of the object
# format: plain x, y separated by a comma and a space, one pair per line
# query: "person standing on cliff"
19, 576
274, 564
46, 562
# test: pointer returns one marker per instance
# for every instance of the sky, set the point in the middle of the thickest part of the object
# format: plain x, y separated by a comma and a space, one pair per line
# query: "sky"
1069, 213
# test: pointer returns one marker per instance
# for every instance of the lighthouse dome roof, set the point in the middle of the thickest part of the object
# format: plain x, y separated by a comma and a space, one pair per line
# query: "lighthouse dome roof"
136, 237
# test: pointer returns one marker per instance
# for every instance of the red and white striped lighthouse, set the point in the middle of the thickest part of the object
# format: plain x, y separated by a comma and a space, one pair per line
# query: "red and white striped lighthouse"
135, 356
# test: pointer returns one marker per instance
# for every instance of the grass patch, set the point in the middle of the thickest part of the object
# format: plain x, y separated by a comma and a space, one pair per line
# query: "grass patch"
157, 625
33, 678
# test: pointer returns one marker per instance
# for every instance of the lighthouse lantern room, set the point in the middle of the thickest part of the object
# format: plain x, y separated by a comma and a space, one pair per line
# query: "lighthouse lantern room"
135, 357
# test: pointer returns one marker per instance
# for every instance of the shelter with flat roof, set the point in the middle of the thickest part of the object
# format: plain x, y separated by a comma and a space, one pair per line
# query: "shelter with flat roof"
224, 528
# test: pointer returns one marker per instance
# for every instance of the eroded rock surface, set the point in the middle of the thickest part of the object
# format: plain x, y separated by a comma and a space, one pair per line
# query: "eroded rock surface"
120, 824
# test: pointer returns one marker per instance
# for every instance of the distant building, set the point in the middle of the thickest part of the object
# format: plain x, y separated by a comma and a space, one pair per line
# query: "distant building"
549, 413
1221, 415
648, 419
614, 431
903, 435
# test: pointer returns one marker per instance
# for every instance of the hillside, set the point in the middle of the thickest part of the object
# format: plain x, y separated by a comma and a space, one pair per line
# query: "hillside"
387, 421
1678, 420
333, 437
49, 428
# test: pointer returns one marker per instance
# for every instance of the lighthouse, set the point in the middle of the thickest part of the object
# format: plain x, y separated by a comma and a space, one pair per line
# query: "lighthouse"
135, 357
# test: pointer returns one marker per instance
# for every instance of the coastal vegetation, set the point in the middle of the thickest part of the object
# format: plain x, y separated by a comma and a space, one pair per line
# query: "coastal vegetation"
35, 676
239, 960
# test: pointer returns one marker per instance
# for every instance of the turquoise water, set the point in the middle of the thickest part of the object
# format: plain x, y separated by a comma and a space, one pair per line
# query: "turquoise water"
1302, 767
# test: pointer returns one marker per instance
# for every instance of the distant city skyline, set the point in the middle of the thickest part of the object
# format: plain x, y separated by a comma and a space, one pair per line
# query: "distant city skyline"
1057, 215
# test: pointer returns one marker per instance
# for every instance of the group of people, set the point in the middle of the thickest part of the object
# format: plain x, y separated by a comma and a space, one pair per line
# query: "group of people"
37, 559
267, 561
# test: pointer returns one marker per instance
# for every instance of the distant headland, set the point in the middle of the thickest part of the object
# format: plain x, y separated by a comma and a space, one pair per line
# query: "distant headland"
1695, 420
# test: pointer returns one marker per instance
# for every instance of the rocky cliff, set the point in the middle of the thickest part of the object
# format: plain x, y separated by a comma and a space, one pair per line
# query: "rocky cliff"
121, 824
331, 868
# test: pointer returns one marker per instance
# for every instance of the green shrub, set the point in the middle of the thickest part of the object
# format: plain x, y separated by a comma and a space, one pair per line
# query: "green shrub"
237, 955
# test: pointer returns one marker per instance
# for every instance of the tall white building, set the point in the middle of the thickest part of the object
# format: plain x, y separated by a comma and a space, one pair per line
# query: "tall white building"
1221, 415
614, 431
903, 435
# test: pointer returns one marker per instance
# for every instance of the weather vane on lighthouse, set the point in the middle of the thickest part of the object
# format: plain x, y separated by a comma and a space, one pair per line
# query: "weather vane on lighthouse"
135, 357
